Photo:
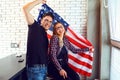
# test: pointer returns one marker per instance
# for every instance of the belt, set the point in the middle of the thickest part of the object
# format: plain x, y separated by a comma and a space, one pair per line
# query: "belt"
38, 65
60, 59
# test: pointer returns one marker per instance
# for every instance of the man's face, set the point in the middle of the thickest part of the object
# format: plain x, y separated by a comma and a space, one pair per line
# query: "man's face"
46, 22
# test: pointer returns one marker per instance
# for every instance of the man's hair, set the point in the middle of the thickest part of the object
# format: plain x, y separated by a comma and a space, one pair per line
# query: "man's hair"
48, 14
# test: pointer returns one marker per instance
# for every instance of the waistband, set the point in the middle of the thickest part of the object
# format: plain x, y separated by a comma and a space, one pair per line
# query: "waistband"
60, 59
38, 65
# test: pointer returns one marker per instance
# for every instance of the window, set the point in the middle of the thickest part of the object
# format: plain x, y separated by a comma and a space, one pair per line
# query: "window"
114, 17
115, 64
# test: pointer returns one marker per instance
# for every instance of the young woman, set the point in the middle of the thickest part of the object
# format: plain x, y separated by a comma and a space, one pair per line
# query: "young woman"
58, 66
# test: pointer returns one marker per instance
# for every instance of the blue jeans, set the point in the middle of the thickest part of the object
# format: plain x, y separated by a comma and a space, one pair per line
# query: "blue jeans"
37, 72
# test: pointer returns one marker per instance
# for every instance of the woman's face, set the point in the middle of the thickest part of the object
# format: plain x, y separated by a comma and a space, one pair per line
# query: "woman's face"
59, 28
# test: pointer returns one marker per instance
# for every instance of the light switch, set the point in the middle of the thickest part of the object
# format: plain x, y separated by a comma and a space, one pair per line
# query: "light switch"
14, 45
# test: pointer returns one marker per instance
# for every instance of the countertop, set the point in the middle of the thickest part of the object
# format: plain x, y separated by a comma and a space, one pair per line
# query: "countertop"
9, 66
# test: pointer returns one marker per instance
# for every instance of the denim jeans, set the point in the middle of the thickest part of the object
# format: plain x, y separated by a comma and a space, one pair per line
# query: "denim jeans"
37, 73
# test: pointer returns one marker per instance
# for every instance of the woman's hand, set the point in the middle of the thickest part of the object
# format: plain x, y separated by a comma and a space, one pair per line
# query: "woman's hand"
91, 49
63, 73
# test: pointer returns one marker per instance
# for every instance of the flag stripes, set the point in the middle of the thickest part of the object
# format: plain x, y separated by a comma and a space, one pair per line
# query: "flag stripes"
81, 62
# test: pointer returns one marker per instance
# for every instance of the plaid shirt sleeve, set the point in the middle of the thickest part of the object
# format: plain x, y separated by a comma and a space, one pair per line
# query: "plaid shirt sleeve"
72, 48
54, 48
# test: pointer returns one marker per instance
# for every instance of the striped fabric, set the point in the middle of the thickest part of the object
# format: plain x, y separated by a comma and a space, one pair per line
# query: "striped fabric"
81, 63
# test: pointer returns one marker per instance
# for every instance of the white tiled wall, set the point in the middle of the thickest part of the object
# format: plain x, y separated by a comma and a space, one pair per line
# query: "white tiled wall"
13, 27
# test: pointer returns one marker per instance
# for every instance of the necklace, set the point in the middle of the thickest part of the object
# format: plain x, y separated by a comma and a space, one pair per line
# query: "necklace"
60, 42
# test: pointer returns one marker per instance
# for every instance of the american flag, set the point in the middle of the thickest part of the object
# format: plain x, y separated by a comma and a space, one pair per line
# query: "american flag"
81, 63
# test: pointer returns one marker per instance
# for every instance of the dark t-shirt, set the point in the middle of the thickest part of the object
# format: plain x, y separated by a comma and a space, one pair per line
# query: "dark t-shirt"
37, 45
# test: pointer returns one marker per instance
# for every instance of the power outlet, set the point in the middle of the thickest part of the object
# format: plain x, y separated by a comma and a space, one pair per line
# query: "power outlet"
14, 45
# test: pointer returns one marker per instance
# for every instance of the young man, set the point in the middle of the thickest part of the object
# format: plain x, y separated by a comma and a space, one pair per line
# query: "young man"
37, 43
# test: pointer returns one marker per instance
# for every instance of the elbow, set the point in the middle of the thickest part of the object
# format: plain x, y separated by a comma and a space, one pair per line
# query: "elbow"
24, 8
74, 51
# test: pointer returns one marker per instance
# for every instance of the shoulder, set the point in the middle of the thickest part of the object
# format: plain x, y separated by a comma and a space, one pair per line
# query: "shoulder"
65, 38
35, 23
54, 38
66, 41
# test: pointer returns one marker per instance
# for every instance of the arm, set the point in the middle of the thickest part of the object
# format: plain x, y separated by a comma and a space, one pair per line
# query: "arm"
53, 55
53, 52
27, 8
72, 48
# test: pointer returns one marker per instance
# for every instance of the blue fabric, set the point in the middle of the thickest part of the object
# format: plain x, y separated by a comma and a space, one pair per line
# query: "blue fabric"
45, 9
37, 73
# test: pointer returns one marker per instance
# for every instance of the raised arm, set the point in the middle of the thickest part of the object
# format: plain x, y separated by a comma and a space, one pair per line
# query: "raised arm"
27, 8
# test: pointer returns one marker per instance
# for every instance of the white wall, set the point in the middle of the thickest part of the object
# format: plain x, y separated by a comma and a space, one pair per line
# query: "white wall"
13, 27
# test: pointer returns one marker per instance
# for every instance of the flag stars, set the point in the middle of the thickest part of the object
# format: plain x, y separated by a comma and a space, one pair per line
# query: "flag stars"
65, 24
45, 9
55, 21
